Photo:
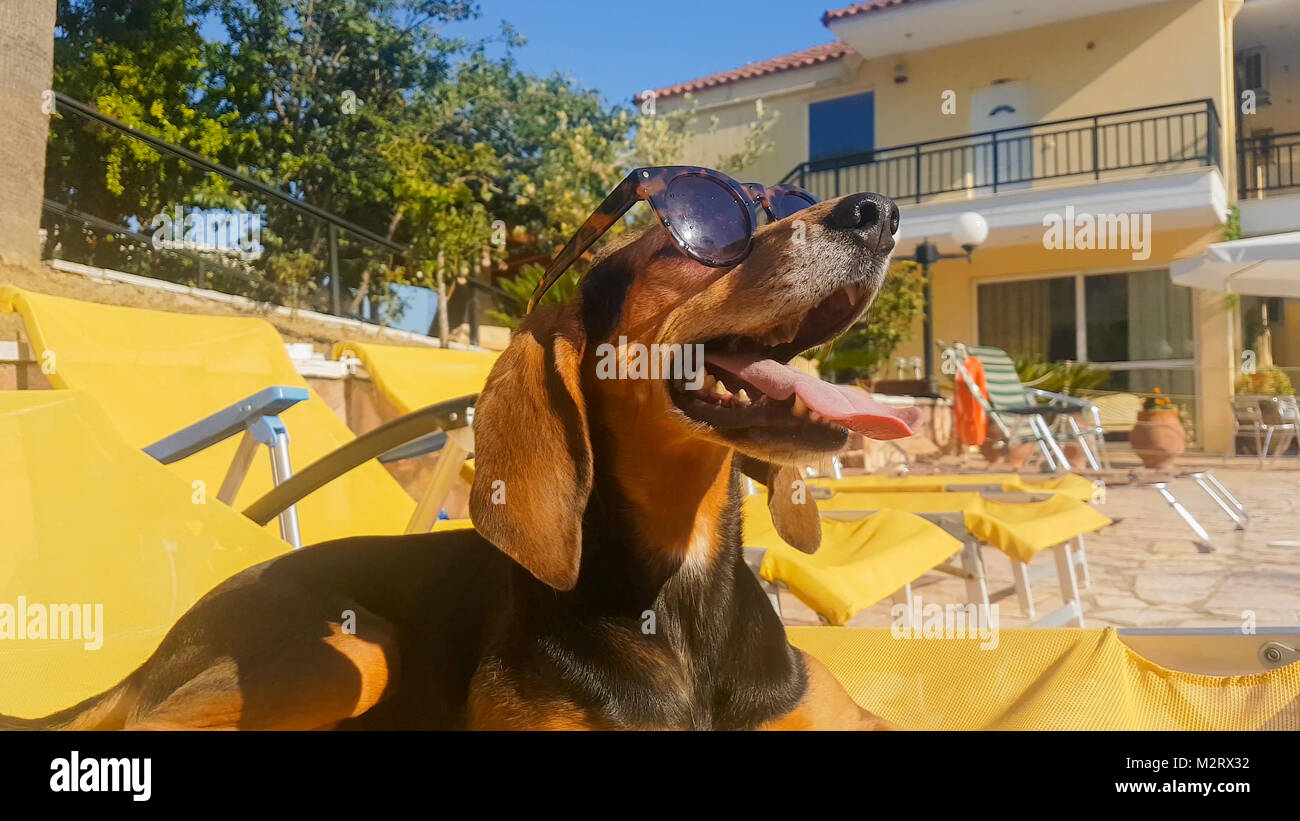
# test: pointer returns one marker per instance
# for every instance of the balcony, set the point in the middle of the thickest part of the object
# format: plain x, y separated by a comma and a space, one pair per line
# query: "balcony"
1161, 159
1103, 146
1268, 168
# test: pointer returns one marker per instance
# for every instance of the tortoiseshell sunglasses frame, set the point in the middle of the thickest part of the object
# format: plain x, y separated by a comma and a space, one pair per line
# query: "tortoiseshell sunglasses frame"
650, 184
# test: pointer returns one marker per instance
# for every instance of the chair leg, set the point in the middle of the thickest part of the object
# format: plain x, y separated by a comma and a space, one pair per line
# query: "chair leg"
281, 473
1080, 437
445, 471
1099, 433
1052, 453
1187, 517
1212, 487
1025, 594
1069, 583
1081, 562
1227, 494
904, 597
977, 589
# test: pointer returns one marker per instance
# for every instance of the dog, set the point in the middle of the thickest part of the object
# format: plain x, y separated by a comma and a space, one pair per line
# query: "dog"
604, 585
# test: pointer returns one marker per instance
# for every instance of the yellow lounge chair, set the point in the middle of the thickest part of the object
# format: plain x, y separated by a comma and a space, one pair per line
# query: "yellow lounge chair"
1019, 529
1061, 679
154, 373
1068, 484
410, 378
858, 563
89, 519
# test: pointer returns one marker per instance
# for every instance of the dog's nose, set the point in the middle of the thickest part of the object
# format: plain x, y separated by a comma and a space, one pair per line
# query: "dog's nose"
872, 217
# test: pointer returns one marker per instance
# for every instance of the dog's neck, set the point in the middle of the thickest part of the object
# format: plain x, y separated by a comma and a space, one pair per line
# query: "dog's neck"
663, 579
672, 493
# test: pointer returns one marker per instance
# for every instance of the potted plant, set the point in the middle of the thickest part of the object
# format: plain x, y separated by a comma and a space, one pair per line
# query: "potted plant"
1158, 436
1068, 378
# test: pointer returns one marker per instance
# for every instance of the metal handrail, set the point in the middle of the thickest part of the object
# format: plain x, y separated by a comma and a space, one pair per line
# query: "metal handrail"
200, 161
1262, 155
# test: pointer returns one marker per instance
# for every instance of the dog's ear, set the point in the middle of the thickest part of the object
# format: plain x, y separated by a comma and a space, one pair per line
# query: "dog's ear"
794, 512
532, 450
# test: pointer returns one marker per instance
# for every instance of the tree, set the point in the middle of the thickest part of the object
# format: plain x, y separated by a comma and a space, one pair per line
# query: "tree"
145, 63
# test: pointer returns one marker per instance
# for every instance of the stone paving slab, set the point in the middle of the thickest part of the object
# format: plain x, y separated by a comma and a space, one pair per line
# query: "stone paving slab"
1148, 571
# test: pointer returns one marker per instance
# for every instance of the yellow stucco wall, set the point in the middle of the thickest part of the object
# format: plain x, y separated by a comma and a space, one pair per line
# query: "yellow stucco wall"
1154, 55
1171, 52
955, 283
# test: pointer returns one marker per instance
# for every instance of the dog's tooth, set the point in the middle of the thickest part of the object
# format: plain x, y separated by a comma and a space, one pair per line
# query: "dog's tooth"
742, 397
720, 390
814, 416
707, 384
800, 409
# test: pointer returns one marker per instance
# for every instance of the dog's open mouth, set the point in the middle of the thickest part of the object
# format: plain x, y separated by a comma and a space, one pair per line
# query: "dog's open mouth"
749, 392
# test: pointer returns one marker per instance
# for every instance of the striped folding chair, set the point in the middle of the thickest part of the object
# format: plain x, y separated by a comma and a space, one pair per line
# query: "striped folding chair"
1027, 414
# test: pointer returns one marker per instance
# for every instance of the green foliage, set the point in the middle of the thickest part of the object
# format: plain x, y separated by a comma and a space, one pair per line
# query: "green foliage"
1069, 378
144, 63
1232, 228
365, 108
520, 290
1265, 382
867, 346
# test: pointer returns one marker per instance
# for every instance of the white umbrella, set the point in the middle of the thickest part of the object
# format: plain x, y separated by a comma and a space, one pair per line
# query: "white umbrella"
1258, 266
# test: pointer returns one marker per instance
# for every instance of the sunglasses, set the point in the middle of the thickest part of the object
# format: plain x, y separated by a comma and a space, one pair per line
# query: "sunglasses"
710, 216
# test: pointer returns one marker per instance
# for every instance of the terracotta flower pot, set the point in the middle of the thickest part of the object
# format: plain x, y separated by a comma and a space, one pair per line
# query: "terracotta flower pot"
1073, 449
1074, 453
1158, 437
1015, 459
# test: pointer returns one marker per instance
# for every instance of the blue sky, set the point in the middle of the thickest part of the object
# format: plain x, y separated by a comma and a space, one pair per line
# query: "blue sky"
620, 47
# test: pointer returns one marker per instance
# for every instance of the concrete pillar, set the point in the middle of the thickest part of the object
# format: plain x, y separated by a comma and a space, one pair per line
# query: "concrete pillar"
1217, 359
26, 72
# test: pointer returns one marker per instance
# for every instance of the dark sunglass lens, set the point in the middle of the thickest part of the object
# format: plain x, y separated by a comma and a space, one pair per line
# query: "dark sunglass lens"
786, 203
707, 218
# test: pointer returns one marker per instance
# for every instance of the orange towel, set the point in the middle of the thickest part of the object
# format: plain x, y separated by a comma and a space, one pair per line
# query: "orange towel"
971, 421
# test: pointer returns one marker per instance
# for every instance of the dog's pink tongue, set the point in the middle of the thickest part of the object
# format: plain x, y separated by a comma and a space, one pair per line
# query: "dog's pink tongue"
842, 404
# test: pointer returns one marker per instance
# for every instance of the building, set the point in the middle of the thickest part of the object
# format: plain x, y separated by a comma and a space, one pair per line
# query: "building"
1146, 120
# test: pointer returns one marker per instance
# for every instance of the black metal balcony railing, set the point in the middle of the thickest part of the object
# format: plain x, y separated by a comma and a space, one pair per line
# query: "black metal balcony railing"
1268, 162
1166, 137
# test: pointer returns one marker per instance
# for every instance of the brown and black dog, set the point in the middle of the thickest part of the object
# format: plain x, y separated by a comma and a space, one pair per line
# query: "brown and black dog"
601, 506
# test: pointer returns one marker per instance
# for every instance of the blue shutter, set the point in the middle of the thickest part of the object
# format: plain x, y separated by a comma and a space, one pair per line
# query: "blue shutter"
842, 126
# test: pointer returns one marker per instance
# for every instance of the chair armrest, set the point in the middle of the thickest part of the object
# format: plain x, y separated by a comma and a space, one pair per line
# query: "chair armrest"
444, 416
429, 443
225, 423
1061, 399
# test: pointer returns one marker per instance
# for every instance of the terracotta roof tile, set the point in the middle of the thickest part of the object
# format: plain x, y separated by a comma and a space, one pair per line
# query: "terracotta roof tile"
863, 8
824, 53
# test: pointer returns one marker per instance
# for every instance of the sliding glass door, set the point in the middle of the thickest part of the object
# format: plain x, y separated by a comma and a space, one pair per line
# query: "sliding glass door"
1137, 324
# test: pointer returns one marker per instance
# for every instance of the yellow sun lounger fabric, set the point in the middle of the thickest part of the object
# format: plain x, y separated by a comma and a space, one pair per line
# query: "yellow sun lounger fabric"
1068, 484
155, 372
1019, 529
90, 520
858, 563
413, 378
1043, 679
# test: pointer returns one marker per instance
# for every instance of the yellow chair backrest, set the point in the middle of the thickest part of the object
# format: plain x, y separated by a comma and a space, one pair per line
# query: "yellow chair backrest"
89, 520
1042, 679
1119, 411
412, 378
155, 372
